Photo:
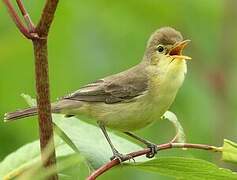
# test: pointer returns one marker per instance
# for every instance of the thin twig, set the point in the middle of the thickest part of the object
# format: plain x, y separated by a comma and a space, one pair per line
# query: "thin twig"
18, 21
26, 16
171, 145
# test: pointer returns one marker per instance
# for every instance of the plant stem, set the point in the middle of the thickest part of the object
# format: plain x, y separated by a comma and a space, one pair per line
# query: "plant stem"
43, 102
26, 16
17, 20
46, 18
166, 146
42, 84
39, 36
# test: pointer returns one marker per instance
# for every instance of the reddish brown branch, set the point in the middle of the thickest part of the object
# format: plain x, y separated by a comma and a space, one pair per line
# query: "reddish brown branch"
26, 16
46, 18
43, 102
41, 73
42, 84
21, 7
17, 20
116, 162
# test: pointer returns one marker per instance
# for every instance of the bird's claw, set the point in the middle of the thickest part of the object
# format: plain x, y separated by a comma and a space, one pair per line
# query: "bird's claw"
153, 151
121, 157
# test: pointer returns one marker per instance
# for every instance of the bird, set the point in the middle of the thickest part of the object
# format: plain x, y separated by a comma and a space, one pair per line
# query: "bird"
132, 99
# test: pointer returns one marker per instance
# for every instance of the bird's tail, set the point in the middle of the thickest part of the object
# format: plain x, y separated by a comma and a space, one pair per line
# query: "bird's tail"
63, 105
20, 114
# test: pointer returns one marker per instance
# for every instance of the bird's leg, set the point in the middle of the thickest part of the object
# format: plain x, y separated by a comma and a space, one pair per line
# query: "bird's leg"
116, 154
152, 146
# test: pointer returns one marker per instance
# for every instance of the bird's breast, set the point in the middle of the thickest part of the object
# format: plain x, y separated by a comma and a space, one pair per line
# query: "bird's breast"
164, 86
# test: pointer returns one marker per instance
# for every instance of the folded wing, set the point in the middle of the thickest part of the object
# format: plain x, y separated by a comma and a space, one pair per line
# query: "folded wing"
112, 89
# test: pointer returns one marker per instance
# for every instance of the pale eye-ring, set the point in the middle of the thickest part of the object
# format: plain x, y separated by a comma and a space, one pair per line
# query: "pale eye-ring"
160, 48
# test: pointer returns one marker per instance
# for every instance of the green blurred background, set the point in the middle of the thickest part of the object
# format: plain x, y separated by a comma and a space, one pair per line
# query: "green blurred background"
92, 39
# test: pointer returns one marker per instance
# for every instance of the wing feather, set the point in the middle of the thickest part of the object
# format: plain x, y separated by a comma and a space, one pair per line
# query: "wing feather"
116, 88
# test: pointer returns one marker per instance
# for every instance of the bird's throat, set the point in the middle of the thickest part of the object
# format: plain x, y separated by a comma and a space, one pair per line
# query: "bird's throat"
163, 86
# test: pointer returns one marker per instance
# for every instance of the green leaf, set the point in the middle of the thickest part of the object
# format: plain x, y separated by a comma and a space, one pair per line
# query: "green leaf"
66, 139
186, 168
180, 135
30, 101
229, 151
63, 163
27, 157
88, 139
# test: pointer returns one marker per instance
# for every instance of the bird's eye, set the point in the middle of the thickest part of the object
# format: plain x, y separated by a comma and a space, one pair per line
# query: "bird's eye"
160, 48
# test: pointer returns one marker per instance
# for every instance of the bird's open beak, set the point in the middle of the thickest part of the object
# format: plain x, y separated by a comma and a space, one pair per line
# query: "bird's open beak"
176, 51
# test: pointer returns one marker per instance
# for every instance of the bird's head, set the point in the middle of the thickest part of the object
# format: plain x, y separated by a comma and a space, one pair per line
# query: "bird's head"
165, 47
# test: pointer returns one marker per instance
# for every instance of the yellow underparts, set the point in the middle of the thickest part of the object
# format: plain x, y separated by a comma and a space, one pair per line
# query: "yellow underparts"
143, 110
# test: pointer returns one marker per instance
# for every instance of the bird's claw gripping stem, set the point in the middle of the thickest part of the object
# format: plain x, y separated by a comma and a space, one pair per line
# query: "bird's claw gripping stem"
120, 157
153, 151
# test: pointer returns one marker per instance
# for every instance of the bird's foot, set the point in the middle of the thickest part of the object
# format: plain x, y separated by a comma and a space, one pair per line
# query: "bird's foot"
154, 150
121, 157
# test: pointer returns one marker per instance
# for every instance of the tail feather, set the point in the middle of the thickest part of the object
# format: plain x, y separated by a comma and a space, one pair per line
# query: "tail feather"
64, 105
20, 114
